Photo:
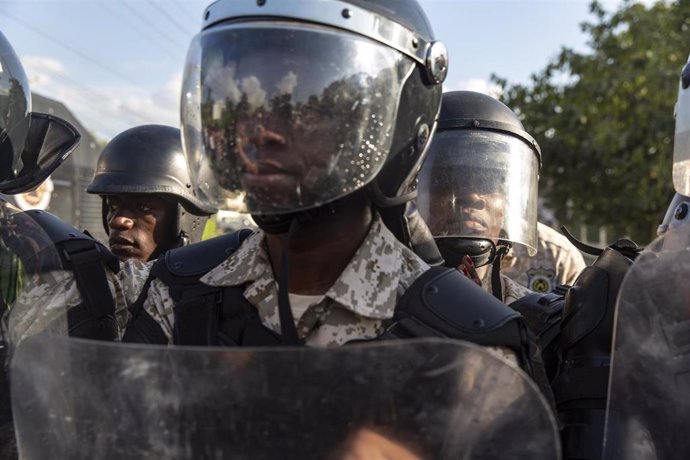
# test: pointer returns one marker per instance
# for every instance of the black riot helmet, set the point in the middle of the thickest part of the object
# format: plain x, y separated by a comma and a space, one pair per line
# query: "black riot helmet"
32, 145
295, 104
681, 142
149, 159
478, 186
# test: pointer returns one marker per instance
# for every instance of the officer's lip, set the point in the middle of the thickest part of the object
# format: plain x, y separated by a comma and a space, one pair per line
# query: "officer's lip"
269, 174
475, 223
118, 243
266, 167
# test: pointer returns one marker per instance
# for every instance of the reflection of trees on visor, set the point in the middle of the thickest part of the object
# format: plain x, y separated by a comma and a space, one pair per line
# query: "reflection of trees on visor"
341, 101
296, 131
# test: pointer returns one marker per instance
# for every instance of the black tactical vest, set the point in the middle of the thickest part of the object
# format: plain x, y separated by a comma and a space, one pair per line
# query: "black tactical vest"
89, 261
440, 303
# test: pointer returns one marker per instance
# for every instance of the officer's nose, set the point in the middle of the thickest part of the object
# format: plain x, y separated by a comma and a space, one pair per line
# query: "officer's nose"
121, 222
474, 201
263, 136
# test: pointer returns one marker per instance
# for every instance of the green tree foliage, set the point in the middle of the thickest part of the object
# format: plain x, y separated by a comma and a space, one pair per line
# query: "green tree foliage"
604, 119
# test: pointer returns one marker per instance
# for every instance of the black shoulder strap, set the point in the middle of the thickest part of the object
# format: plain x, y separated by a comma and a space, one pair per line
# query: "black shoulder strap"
196, 304
141, 327
89, 260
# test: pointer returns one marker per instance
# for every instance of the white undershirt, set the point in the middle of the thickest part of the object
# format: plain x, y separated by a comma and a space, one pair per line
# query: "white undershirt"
299, 304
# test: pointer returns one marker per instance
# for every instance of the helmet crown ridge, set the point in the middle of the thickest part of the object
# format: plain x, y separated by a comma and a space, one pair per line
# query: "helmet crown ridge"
147, 159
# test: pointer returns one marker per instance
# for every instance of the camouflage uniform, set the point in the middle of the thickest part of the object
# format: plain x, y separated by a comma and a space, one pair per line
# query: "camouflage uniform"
355, 307
557, 262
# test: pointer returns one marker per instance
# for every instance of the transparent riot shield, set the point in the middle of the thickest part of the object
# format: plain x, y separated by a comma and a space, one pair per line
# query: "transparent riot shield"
32, 287
414, 399
649, 391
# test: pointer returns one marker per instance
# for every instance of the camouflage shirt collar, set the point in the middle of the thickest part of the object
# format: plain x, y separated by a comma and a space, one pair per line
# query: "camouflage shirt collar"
367, 285
249, 263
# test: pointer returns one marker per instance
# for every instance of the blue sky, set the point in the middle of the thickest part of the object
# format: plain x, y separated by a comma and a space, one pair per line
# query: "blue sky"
118, 63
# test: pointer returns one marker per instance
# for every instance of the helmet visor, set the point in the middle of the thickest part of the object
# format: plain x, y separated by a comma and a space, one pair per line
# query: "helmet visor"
287, 117
681, 143
480, 184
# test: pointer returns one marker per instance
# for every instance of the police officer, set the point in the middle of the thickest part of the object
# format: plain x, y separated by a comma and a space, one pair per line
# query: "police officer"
32, 146
320, 113
556, 262
319, 142
149, 204
34, 245
478, 188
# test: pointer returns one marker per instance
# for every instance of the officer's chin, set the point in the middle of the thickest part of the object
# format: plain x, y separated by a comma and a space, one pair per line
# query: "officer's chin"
274, 224
127, 252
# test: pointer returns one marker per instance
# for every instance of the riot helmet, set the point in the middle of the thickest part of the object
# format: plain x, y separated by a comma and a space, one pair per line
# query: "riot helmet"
478, 185
678, 211
681, 142
32, 145
296, 104
149, 160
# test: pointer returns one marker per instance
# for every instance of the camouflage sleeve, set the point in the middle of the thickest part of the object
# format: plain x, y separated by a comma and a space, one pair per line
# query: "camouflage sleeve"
42, 305
160, 306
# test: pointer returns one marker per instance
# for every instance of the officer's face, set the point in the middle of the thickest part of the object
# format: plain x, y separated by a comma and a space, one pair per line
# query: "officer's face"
141, 226
284, 154
482, 213
466, 211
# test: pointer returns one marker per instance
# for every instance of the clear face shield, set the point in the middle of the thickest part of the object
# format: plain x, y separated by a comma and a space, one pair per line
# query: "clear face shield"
32, 279
478, 184
15, 105
681, 142
286, 116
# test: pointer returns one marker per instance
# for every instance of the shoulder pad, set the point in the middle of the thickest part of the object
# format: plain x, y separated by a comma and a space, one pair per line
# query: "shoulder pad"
72, 243
454, 305
199, 258
57, 230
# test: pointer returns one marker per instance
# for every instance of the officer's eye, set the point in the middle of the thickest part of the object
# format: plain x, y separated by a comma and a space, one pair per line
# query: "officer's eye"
143, 208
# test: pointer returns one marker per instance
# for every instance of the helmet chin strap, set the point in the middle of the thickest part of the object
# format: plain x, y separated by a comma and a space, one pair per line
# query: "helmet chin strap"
482, 251
287, 322
496, 284
287, 225
182, 239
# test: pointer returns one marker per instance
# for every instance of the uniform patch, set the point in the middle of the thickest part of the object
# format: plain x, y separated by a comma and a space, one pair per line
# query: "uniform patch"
541, 279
